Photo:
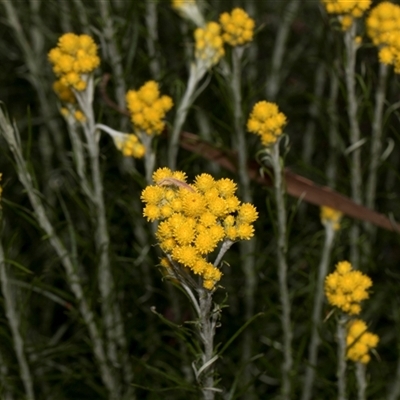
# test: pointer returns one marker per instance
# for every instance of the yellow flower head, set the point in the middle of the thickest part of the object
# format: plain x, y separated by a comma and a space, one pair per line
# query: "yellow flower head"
238, 27
360, 341
188, 9
354, 8
266, 121
383, 20
73, 57
209, 47
331, 216
129, 145
148, 108
195, 218
64, 92
346, 288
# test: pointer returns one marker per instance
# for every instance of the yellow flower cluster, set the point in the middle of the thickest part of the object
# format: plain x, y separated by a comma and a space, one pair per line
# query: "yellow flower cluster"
360, 341
383, 20
147, 108
266, 121
383, 27
129, 145
331, 216
64, 92
74, 56
346, 288
348, 9
195, 218
209, 44
238, 27
182, 3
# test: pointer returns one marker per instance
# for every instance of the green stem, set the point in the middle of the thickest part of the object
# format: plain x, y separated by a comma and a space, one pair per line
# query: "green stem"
352, 109
341, 354
282, 272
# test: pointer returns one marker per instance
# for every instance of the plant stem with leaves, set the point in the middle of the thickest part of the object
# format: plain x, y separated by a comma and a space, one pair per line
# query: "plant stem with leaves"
279, 192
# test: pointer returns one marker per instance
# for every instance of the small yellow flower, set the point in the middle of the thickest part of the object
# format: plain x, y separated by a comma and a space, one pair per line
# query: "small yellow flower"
331, 216
209, 47
147, 108
360, 341
266, 121
238, 27
129, 145
73, 57
346, 288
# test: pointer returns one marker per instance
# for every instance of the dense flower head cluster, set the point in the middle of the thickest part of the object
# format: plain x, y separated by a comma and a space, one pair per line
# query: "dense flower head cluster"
348, 9
73, 58
188, 9
360, 341
266, 121
383, 27
64, 92
209, 46
195, 218
382, 21
237, 26
331, 216
148, 108
347, 288
129, 145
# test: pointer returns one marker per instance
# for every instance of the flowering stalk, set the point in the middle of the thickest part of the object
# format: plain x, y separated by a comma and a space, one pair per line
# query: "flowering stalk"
114, 326
352, 108
152, 37
279, 192
341, 355
14, 142
209, 50
330, 230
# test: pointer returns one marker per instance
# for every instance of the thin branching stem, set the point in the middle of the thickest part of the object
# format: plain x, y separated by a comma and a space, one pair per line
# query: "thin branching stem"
341, 356
352, 109
279, 192
274, 79
207, 325
152, 37
196, 72
316, 316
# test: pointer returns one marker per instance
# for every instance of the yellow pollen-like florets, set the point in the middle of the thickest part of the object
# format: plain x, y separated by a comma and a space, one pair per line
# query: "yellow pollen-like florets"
360, 341
355, 8
129, 145
238, 27
74, 57
188, 9
209, 44
383, 20
147, 108
346, 288
331, 216
193, 223
266, 121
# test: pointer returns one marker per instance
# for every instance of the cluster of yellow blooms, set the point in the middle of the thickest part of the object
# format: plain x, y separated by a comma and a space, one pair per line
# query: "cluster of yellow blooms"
74, 56
195, 218
129, 145
331, 216
346, 288
383, 27
209, 46
348, 9
266, 121
147, 108
238, 27
360, 341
